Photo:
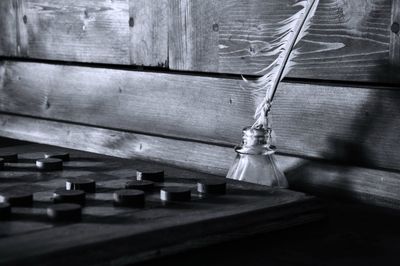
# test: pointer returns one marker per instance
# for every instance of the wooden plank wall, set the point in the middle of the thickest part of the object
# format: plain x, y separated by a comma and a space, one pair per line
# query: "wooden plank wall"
69, 76
370, 186
349, 40
350, 124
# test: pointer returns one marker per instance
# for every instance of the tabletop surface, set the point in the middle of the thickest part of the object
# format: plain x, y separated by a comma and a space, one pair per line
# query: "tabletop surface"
117, 235
351, 234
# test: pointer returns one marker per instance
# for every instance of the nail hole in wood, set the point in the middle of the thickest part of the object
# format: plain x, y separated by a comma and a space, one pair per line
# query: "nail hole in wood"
215, 27
395, 28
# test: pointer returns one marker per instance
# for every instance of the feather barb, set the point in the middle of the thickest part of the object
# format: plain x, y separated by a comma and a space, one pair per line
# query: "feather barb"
291, 30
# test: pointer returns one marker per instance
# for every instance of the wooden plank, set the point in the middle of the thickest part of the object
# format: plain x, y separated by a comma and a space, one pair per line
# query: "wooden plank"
352, 234
84, 31
117, 143
375, 187
80, 31
22, 29
8, 28
348, 40
364, 185
395, 34
163, 104
355, 125
148, 23
193, 35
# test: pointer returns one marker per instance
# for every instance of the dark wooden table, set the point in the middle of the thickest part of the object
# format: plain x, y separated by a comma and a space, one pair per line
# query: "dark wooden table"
350, 235
109, 235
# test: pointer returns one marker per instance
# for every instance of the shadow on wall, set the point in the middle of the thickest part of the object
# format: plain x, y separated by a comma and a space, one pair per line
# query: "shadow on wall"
371, 141
375, 129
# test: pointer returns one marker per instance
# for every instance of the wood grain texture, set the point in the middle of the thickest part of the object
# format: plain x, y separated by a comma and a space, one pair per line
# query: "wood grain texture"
348, 40
118, 32
193, 35
395, 34
163, 104
148, 32
359, 184
8, 28
354, 125
375, 187
83, 31
107, 233
186, 154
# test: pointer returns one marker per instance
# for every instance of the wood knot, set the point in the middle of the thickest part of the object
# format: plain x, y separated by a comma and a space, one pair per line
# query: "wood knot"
25, 19
395, 28
215, 27
252, 50
47, 104
131, 22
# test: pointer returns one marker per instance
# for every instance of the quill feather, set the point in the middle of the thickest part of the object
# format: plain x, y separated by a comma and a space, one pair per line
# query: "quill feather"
290, 31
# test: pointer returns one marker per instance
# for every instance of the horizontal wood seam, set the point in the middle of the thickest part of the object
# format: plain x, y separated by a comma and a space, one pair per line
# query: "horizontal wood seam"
158, 70
380, 188
120, 130
220, 145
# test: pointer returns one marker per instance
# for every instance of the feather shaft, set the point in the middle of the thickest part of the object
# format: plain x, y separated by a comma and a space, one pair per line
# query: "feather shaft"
296, 39
291, 30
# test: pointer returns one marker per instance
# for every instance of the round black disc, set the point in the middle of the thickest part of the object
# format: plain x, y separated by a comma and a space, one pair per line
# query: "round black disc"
9, 157
154, 174
78, 183
212, 186
58, 155
49, 164
62, 195
17, 198
65, 212
144, 185
129, 198
5, 210
175, 194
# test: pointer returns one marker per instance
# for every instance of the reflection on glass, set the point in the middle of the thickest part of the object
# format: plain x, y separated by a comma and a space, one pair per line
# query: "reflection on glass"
255, 161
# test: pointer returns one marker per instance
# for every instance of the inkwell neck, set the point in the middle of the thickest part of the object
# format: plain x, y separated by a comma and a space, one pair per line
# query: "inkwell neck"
255, 141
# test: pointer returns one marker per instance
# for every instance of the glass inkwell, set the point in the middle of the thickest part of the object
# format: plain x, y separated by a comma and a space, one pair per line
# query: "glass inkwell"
255, 161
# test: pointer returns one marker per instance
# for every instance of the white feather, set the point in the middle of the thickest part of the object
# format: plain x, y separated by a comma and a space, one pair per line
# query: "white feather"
290, 31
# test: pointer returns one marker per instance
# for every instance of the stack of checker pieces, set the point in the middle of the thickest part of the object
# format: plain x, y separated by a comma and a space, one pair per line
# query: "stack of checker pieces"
126, 208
